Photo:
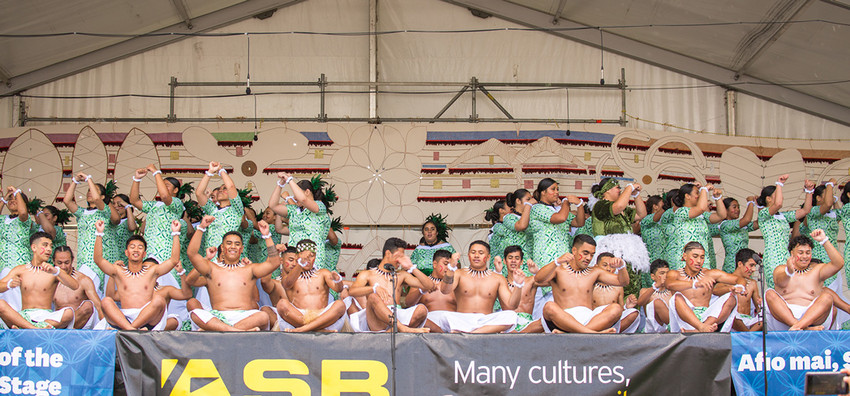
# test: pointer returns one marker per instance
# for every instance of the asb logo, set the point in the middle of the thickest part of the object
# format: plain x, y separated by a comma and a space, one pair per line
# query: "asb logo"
255, 379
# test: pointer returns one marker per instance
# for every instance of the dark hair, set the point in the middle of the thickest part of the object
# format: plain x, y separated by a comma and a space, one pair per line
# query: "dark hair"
63, 248
514, 249
101, 189
728, 201
442, 253
653, 200
492, 215
744, 255
583, 238
136, 238
373, 263
306, 185
393, 244
603, 255
542, 186
693, 245
511, 197
668, 199
844, 191
596, 187
150, 260
815, 261
480, 242
658, 263
765, 192
124, 197
237, 233
818, 192
174, 182
679, 199
290, 249
39, 235
54, 211
800, 240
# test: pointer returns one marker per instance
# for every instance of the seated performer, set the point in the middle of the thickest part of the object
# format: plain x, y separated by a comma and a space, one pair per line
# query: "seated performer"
271, 282
38, 281
691, 308
377, 285
656, 299
434, 299
572, 283
307, 306
748, 305
476, 289
141, 308
513, 259
604, 294
84, 300
231, 282
170, 293
797, 302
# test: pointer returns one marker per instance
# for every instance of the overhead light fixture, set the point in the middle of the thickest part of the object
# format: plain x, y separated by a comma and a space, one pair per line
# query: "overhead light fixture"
266, 14
479, 13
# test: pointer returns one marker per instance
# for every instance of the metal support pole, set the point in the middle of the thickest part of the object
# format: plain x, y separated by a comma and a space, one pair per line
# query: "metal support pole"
373, 58
474, 116
623, 95
451, 102
172, 86
495, 102
731, 112
22, 111
323, 82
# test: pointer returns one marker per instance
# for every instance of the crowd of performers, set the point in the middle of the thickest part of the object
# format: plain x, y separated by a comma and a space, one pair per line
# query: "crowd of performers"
617, 263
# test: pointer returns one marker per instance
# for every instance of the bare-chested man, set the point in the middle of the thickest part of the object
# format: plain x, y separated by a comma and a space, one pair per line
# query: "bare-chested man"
141, 308
308, 305
604, 294
691, 308
84, 300
656, 299
572, 280
513, 259
434, 299
377, 284
231, 282
38, 281
797, 301
749, 304
476, 289
271, 284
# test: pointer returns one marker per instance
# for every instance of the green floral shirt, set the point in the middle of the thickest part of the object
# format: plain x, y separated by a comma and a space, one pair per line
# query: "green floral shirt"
586, 229
496, 239
550, 240
512, 237
683, 230
653, 236
776, 231
15, 237
829, 224
158, 226
85, 236
227, 219
423, 255
115, 241
844, 216
713, 231
304, 224
331, 255
734, 238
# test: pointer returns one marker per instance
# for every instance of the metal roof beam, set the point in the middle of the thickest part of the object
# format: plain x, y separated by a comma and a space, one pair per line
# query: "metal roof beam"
183, 11
133, 46
723, 77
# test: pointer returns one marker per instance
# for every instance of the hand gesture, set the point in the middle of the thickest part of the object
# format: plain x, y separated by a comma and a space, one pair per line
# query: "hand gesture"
455, 258
752, 198
99, 226
717, 193
636, 187
782, 179
573, 200
14, 282
81, 177
175, 226
120, 263
245, 261
497, 262
405, 263
140, 173
9, 191
151, 168
709, 187
532, 266
818, 235
214, 167
263, 226
631, 301
697, 184
809, 185
384, 295
211, 253
519, 276
281, 247
833, 181
707, 282
207, 220
565, 258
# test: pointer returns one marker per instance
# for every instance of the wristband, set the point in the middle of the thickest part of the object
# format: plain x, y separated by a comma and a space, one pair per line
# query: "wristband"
201, 229
825, 240
9, 284
829, 184
128, 207
57, 271
452, 268
280, 185
410, 271
175, 233
790, 274
751, 203
134, 179
15, 194
581, 202
288, 179
222, 170
703, 188
779, 183
807, 191
98, 234
74, 179
157, 172
181, 272
744, 288
375, 288
345, 287
528, 203
88, 177
565, 200
635, 195
518, 285
208, 173
302, 263
337, 275
39, 213
292, 198
719, 197
694, 284
621, 267
654, 287
266, 236
3, 200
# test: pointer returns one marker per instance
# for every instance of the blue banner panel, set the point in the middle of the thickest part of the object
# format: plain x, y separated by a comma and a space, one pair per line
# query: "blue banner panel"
57, 362
790, 355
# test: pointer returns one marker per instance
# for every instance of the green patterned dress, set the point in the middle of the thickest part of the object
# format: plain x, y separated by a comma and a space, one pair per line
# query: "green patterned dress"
184, 244
713, 231
776, 231
304, 224
60, 239
423, 255
331, 255
257, 252
684, 229
653, 237
829, 224
158, 226
85, 236
734, 238
15, 237
497, 242
586, 229
512, 237
550, 240
228, 218
115, 241
844, 216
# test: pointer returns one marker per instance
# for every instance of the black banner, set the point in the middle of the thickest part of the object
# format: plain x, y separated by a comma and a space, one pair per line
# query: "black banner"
268, 363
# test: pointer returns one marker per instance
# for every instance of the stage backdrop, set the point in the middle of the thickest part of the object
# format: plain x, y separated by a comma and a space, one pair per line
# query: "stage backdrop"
389, 177
431, 364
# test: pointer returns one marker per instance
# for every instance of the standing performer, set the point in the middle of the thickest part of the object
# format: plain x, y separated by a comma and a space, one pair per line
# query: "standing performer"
775, 225
514, 230
550, 221
435, 233
121, 225
86, 218
50, 220
844, 215
226, 206
823, 217
735, 232
14, 231
307, 215
690, 222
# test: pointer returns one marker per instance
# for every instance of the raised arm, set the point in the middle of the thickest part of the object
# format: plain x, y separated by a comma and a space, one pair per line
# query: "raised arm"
828, 197
166, 266
274, 201
563, 214
11, 280
640, 205
525, 216
279, 227
418, 280
135, 198
720, 209
199, 262
581, 215
306, 202
778, 199
132, 225
545, 275
836, 259
105, 266
622, 201
15, 193
95, 193
161, 187
618, 278
511, 297
801, 213
272, 262
232, 192
702, 203
46, 225
747, 218
448, 285
70, 200
201, 192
